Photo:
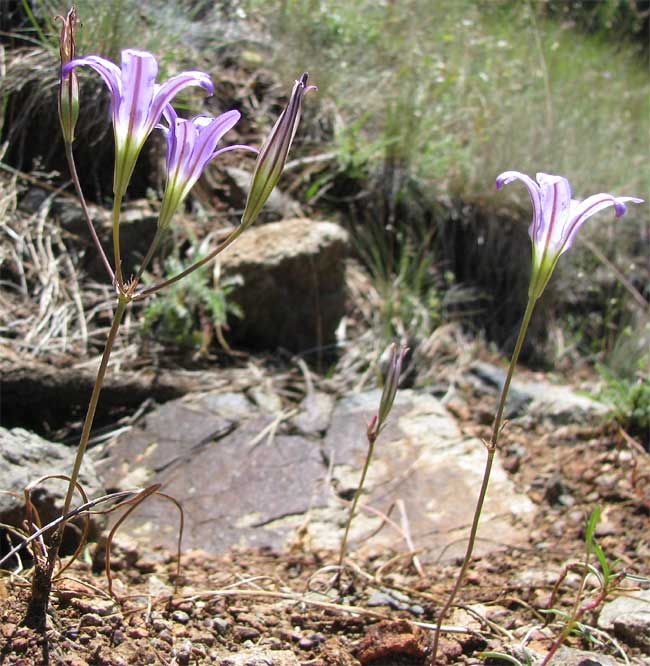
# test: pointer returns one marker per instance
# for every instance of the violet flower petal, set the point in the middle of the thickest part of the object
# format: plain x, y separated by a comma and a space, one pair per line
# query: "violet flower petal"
191, 144
555, 198
139, 71
137, 102
581, 211
108, 70
535, 196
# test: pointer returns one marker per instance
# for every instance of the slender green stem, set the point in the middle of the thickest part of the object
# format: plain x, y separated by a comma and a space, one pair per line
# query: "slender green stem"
155, 244
44, 567
576, 616
220, 248
117, 204
511, 370
357, 495
75, 179
94, 399
491, 450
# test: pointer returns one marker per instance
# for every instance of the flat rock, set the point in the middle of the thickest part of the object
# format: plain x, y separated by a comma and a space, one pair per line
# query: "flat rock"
220, 458
315, 413
245, 478
422, 459
567, 656
541, 399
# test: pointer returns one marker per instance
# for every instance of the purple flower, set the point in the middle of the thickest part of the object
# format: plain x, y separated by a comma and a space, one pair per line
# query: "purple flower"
556, 220
191, 144
274, 152
137, 102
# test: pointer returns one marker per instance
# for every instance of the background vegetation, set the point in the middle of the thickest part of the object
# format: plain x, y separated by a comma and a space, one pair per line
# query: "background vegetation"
420, 105
428, 102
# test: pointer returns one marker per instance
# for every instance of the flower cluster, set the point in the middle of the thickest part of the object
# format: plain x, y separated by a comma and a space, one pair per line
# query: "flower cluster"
139, 104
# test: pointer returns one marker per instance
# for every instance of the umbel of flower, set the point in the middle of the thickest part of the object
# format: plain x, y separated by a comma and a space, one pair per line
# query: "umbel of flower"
69, 85
137, 102
556, 220
273, 154
191, 144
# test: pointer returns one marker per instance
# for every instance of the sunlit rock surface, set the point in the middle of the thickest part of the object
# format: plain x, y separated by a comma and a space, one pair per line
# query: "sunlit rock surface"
249, 477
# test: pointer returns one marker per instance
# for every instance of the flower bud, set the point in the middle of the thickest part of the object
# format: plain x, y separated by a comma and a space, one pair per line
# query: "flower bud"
273, 154
391, 382
69, 85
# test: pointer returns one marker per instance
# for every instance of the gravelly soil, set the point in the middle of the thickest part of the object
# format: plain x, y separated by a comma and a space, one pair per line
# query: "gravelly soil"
381, 612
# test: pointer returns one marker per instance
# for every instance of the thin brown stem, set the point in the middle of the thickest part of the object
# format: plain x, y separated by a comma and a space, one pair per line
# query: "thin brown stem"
492, 446
46, 561
355, 501
91, 227
220, 248
94, 399
511, 370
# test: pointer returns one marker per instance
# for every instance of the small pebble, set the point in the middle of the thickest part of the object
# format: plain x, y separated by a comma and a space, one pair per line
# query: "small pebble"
91, 620
243, 633
118, 637
159, 625
166, 636
180, 616
221, 625
137, 632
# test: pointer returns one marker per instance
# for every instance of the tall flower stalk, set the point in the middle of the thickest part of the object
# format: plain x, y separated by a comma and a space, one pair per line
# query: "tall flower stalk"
377, 422
556, 220
137, 105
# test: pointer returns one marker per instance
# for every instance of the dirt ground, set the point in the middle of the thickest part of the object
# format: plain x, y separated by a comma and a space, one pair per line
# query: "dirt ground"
382, 611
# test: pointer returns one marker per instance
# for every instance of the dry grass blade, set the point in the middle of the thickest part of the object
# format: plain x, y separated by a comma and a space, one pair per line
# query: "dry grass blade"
80, 510
32, 518
134, 503
43, 310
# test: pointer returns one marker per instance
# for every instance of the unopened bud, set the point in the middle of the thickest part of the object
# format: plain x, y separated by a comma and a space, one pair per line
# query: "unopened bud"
69, 85
391, 382
273, 154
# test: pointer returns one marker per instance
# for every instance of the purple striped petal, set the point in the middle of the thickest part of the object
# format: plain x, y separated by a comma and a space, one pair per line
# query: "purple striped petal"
209, 135
556, 220
555, 197
165, 93
191, 144
108, 70
535, 196
139, 71
581, 211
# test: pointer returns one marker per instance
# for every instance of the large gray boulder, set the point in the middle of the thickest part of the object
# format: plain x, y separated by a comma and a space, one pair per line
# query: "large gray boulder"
293, 292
